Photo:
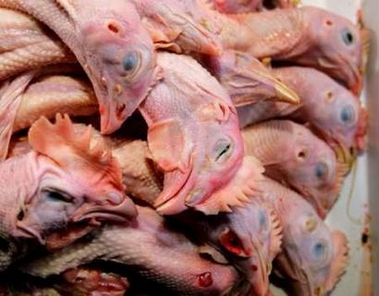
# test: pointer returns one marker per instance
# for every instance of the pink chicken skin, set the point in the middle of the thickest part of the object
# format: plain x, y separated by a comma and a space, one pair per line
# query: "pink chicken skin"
313, 256
245, 6
194, 137
307, 36
162, 255
237, 6
292, 155
26, 44
110, 43
329, 109
180, 26
64, 182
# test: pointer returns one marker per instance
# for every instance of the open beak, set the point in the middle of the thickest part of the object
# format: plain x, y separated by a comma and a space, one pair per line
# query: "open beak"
109, 122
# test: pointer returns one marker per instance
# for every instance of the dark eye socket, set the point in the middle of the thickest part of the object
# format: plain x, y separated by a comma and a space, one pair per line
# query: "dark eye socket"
321, 170
222, 149
347, 37
319, 249
263, 220
130, 62
57, 196
347, 114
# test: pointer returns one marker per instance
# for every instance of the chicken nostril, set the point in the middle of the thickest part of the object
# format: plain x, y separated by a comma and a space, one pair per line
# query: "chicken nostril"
21, 215
120, 110
205, 279
329, 96
113, 27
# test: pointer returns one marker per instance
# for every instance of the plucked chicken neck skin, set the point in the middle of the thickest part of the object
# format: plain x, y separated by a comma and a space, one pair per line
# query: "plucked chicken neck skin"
307, 36
26, 44
306, 163
112, 46
155, 260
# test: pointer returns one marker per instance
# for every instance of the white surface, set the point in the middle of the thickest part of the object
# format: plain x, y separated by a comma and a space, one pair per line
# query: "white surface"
361, 188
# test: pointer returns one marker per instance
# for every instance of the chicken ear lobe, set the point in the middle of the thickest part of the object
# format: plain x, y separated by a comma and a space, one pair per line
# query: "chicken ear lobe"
167, 141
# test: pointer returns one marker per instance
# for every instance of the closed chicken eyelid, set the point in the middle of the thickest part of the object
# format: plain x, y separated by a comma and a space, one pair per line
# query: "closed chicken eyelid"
222, 149
57, 196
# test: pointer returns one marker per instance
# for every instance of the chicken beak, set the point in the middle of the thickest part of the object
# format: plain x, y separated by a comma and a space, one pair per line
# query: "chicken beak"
285, 94
122, 212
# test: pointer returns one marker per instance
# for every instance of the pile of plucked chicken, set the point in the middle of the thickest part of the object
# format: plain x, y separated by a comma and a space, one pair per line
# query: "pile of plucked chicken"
183, 147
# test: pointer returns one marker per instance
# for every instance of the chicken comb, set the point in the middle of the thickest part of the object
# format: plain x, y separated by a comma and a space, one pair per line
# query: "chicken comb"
360, 135
71, 151
340, 259
364, 33
276, 233
237, 192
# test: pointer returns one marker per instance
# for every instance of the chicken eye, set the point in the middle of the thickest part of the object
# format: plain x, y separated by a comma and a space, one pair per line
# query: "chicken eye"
347, 114
56, 196
319, 249
321, 170
347, 37
223, 150
130, 62
262, 218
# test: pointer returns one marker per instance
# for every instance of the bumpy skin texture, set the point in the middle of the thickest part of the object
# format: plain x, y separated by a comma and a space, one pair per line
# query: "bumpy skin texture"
330, 110
333, 112
237, 6
249, 237
313, 257
247, 80
245, 6
27, 44
291, 154
181, 26
11, 91
167, 257
64, 181
140, 175
308, 36
111, 44
194, 138
51, 94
